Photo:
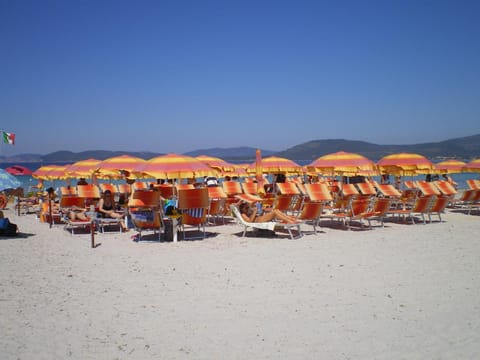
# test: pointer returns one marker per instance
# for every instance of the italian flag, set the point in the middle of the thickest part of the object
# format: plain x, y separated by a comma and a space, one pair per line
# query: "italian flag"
8, 138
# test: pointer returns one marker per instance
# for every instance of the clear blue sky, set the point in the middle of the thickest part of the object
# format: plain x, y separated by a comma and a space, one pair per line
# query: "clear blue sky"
176, 76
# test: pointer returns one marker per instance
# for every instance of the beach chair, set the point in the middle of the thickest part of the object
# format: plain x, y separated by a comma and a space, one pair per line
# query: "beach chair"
378, 210
366, 188
445, 187
356, 209
409, 184
269, 225
464, 198
44, 213
290, 189
438, 207
90, 192
139, 185
193, 204
388, 190
473, 184
124, 191
249, 188
72, 203
166, 191
311, 212
68, 191
348, 190
421, 206
112, 187
474, 202
145, 212
232, 189
184, 186
318, 192
427, 188
217, 203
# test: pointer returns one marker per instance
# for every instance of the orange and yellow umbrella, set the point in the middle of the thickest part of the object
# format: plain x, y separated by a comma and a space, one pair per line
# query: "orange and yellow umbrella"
450, 166
175, 166
472, 166
275, 165
343, 163
405, 164
83, 168
51, 172
217, 163
118, 166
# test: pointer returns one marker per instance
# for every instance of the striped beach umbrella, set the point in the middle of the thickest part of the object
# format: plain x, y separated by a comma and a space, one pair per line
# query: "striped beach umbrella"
450, 166
275, 165
118, 166
51, 172
405, 164
83, 168
175, 166
216, 163
472, 166
343, 163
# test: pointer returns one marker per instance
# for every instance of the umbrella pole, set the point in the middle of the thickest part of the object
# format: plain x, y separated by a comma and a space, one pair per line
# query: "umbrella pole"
50, 215
92, 233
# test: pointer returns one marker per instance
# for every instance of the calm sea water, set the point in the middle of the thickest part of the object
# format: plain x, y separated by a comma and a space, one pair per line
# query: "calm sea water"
28, 181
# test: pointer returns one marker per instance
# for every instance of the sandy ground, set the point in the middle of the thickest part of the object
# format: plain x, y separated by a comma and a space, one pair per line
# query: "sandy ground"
399, 292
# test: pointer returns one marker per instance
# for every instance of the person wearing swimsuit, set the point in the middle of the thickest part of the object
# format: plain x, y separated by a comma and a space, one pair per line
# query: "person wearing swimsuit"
106, 207
249, 213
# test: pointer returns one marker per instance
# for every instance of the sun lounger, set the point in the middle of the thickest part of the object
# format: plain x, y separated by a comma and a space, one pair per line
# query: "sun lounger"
270, 225
473, 184
311, 211
427, 188
421, 206
193, 204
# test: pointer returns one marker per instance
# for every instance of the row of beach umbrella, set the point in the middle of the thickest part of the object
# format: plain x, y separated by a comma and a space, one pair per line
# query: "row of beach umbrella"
181, 166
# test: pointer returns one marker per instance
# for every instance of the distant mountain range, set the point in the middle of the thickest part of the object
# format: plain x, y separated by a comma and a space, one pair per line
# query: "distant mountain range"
460, 148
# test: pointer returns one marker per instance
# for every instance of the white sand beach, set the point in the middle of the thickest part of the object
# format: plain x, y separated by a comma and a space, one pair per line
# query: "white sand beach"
399, 292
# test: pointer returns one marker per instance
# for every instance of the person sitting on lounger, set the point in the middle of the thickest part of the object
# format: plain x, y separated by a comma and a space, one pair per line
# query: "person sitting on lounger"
77, 213
107, 206
249, 213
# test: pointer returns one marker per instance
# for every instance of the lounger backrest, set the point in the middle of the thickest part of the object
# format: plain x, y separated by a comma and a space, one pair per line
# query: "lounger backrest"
232, 188
388, 190
427, 188
318, 192
104, 187
311, 210
349, 190
139, 185
194, 205
445, 187
216, 192
193, 198
249, 187
68, 191
423, 204
288, 188
440, 203
184, 186
473, 183
366, 188
89, 191
381, 205
145, 198
166, 191
71, 201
